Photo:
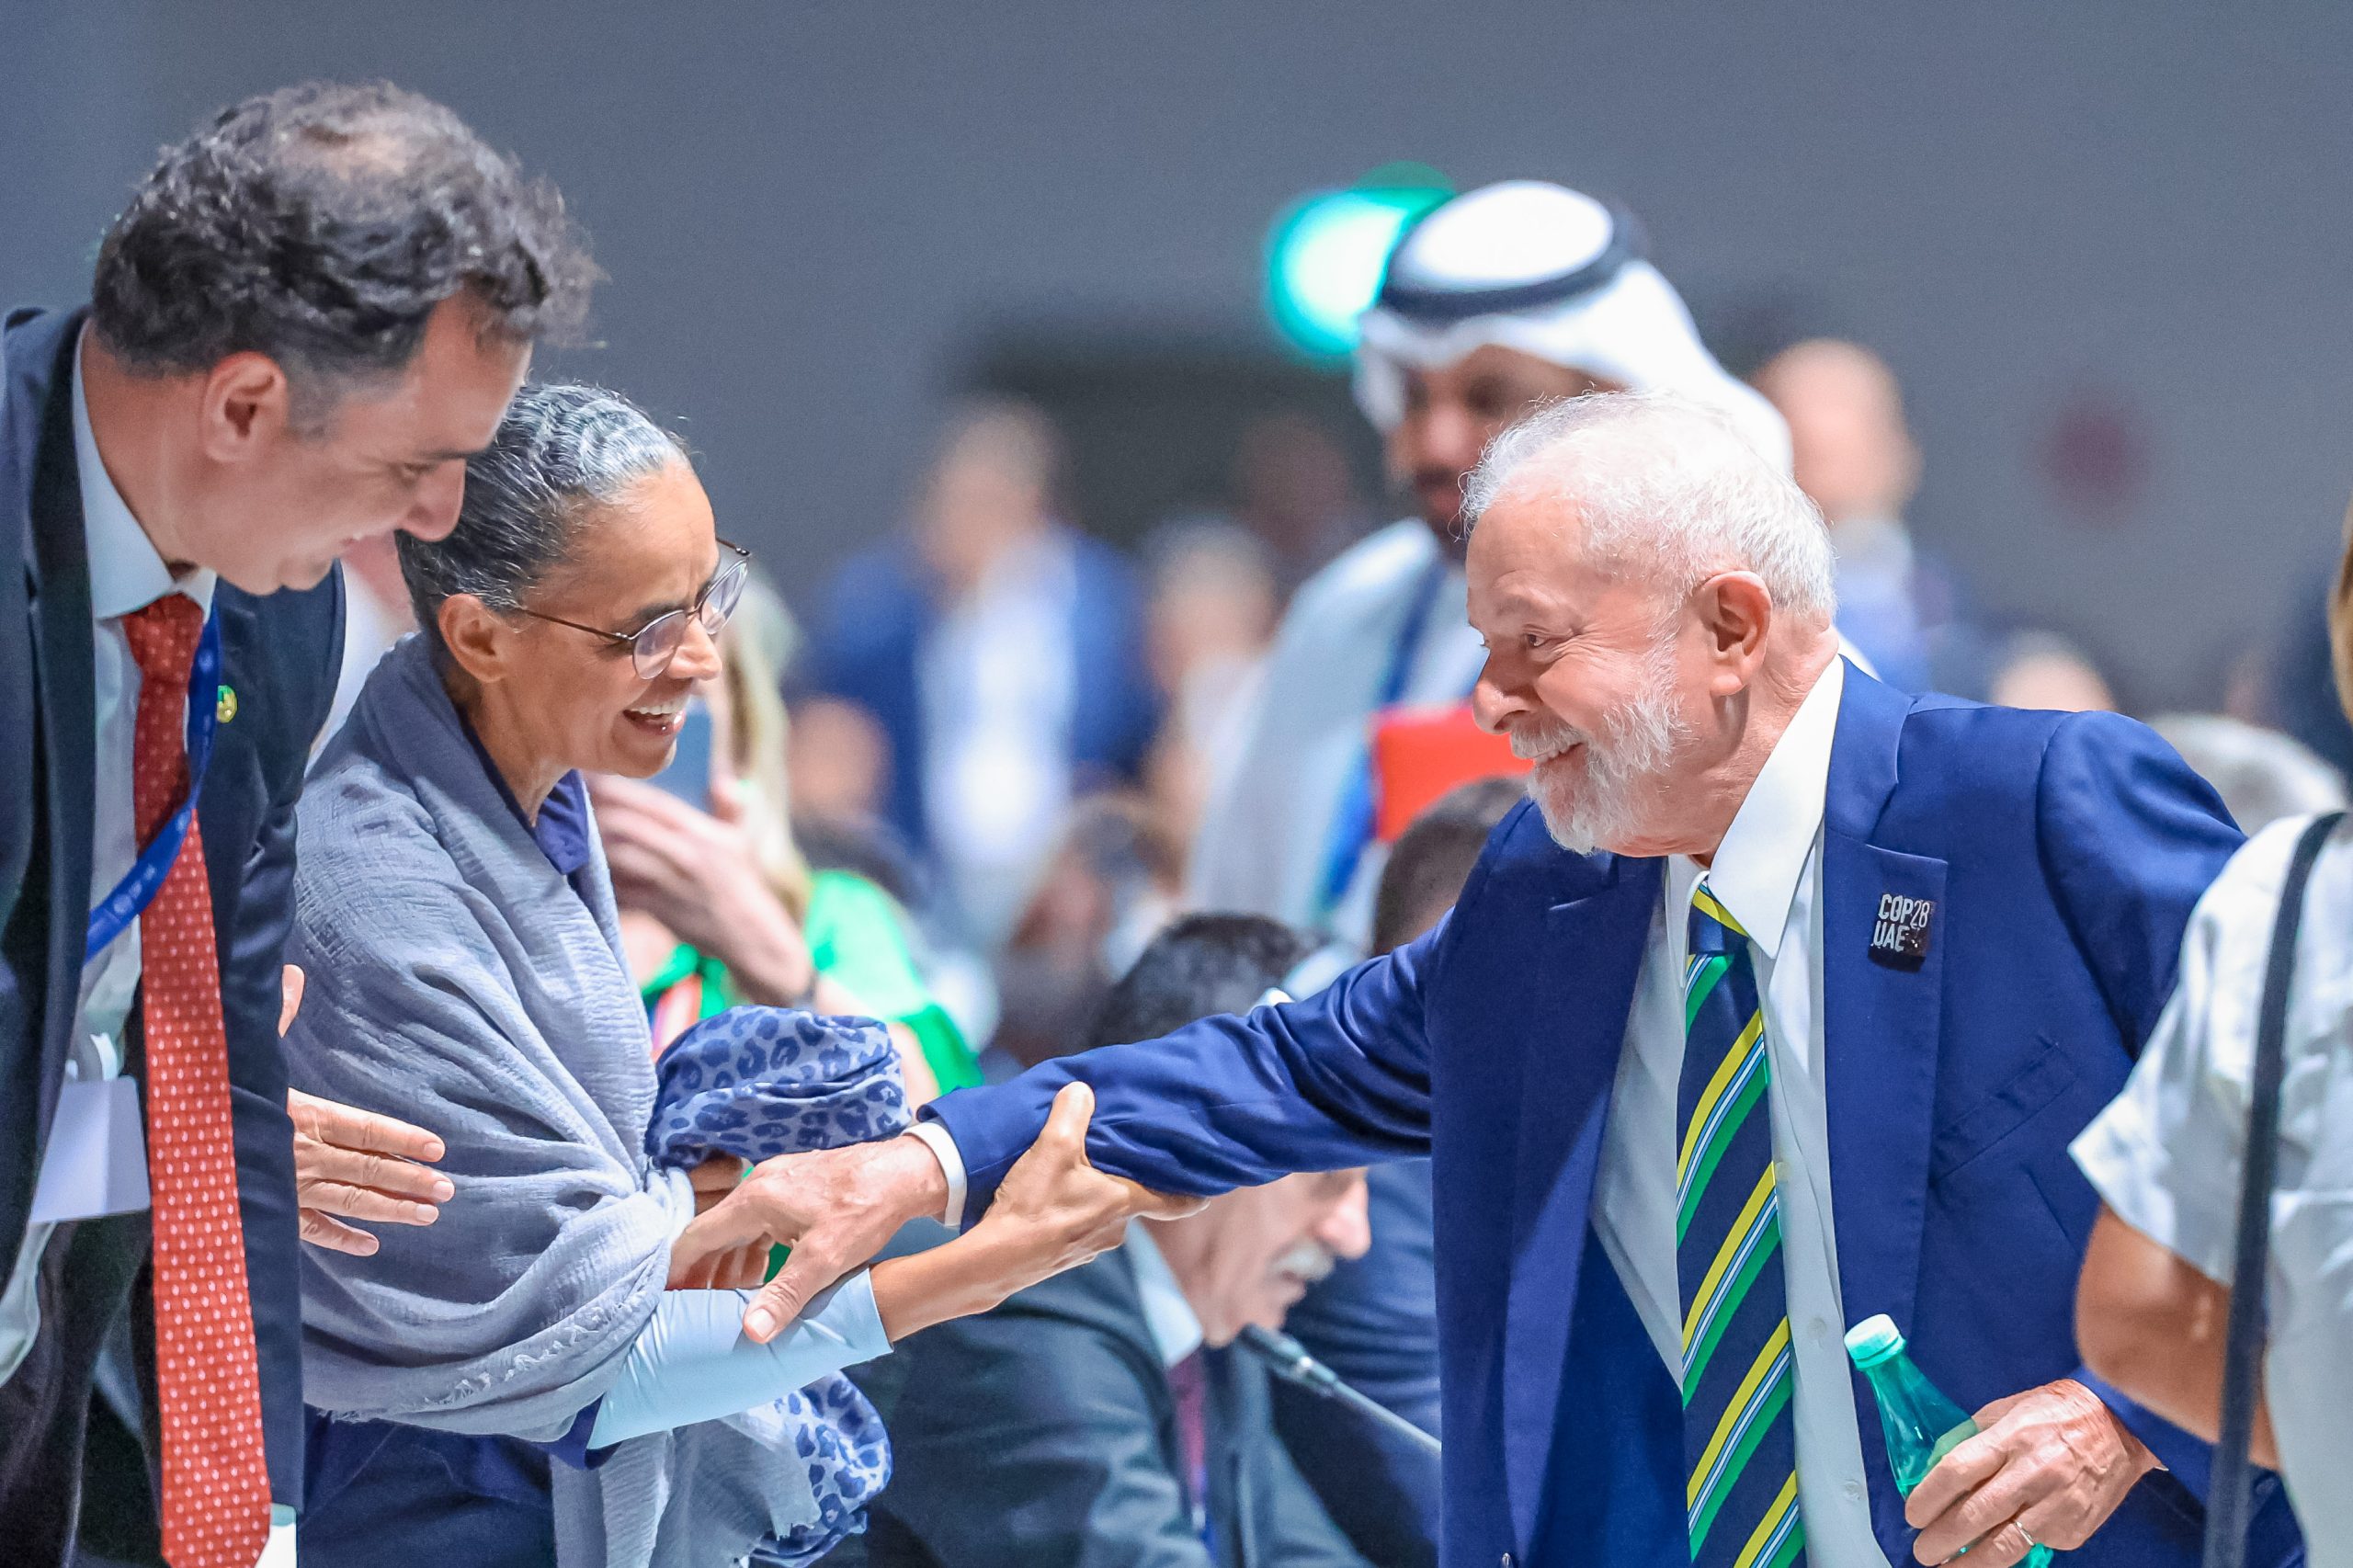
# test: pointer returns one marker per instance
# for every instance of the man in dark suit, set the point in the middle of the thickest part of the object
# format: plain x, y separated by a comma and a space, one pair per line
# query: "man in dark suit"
1100, 1416
307, 317
1774, 1010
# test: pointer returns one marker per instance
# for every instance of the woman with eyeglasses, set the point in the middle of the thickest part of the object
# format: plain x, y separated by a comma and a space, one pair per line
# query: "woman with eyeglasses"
542, 1375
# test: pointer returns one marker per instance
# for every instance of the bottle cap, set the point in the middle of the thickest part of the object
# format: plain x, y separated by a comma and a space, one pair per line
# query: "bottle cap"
1874, 1340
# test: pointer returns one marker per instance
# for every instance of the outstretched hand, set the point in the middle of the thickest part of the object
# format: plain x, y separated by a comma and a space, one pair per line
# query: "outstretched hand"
742, 1269
836, 1207
356, 1165
1054, 1210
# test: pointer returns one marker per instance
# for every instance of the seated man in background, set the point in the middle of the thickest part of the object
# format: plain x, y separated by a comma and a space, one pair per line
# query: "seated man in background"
1099, 1416
1374, 1319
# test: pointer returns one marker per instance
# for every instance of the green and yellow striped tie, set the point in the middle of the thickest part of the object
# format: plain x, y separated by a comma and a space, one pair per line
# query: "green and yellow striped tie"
1739, 1435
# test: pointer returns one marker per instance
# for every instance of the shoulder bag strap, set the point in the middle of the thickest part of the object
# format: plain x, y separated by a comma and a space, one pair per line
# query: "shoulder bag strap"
2227, 1497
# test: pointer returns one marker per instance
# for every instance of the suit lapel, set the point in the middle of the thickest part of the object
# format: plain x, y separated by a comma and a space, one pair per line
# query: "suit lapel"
1879, 1048
62, 657
1232, 1504
1880, 1028
1591, 956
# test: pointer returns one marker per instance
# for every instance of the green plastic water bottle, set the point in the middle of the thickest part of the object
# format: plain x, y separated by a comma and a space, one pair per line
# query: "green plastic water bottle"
1920, 1424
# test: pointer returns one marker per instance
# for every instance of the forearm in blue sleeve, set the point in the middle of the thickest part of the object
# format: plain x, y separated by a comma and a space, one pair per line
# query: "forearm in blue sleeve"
693, 1363
1339, 1079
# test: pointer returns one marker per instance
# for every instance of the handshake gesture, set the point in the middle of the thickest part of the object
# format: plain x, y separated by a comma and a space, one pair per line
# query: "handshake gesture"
836, 1207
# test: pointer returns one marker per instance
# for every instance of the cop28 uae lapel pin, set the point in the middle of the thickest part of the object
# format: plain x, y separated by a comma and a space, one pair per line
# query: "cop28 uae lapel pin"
1900, 933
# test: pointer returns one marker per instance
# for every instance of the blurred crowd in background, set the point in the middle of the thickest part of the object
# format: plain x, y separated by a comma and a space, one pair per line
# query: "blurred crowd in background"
1012, 726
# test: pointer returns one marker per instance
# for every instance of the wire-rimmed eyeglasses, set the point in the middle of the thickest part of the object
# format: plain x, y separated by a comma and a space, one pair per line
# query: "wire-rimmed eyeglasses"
654, 644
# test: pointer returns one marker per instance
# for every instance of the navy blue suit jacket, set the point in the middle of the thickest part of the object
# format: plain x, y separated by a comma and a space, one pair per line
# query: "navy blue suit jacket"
281, 655
2062, 853
869, 650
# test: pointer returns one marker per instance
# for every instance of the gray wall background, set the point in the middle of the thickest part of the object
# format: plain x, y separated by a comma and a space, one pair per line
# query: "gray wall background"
812, 212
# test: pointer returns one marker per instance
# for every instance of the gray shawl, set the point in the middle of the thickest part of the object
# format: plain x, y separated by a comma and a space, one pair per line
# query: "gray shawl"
457, 981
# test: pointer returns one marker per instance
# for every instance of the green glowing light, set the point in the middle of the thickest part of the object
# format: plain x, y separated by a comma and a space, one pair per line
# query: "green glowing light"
1325, 252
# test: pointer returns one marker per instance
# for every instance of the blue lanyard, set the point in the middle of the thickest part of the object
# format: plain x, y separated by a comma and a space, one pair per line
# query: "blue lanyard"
119, 908
1352, 828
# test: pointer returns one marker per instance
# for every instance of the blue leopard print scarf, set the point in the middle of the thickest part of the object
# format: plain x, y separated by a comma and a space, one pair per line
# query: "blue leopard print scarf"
757, 1082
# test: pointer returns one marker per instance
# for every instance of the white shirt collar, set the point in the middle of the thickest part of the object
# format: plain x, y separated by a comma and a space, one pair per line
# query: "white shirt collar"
126, 572
1176, 1331
1755, 869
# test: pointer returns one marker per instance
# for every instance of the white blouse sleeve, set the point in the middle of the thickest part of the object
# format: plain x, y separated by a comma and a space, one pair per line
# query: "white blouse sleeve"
693, 1362
2167, 1155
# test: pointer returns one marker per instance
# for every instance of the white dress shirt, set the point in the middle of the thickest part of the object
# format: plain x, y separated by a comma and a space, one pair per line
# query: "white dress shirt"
1175, 1327
1768, 873
2167, 1154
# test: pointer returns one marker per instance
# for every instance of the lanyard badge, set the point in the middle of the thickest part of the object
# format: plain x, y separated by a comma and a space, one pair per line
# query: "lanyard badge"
1352, 828
208, 703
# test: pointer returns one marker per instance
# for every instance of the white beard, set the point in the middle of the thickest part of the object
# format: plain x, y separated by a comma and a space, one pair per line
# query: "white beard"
1622, 766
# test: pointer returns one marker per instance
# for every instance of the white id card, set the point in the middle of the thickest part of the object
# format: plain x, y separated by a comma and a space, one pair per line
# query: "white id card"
97, 1162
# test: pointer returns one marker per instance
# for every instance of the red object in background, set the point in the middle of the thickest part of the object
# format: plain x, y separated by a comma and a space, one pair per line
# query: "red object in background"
1418, 754
2096, 455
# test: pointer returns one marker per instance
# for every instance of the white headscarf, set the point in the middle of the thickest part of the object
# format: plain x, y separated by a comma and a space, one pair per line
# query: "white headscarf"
1567, 285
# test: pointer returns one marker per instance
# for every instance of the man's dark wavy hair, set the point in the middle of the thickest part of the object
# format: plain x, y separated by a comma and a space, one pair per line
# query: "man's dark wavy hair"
320, 225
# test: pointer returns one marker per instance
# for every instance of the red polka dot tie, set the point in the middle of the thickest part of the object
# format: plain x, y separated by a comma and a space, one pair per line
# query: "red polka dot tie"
216, 1483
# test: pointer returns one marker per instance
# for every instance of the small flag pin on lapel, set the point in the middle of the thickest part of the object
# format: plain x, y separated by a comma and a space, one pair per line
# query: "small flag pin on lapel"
225, 708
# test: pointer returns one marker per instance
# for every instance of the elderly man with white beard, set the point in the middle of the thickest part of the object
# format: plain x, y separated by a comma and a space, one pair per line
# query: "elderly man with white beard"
1775, 1011
1498, 301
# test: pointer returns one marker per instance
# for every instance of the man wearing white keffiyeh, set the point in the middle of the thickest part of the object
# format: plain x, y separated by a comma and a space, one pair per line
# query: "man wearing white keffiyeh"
1503, 297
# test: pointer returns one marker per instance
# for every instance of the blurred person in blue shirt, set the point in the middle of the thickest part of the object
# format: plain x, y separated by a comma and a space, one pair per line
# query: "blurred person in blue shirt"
1853, 453
1000, 651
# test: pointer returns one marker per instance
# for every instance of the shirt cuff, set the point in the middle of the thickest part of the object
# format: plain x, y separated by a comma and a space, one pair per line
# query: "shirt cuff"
681, 1183
859, 1314
942, 1144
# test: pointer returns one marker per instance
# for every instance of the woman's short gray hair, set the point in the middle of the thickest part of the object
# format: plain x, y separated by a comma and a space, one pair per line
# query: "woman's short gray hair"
1667, 488
560, 453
